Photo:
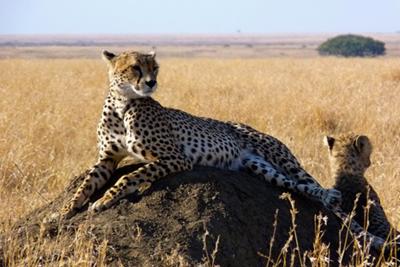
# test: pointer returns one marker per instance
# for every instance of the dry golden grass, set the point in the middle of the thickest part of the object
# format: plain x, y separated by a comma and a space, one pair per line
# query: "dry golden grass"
49, 111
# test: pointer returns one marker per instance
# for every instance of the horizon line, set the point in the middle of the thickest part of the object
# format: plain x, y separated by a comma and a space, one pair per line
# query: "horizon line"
200, 34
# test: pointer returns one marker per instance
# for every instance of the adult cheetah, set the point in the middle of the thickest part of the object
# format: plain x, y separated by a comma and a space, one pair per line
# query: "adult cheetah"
349, 156
169, 140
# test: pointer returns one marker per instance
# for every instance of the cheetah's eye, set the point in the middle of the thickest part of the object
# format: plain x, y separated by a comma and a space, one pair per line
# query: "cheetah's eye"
155, 69
136, 68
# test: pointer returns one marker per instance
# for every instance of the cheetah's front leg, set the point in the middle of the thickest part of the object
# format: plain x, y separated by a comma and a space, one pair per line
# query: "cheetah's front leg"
140, 180
97, 177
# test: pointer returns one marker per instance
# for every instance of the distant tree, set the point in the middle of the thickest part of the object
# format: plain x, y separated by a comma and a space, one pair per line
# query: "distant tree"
352, 46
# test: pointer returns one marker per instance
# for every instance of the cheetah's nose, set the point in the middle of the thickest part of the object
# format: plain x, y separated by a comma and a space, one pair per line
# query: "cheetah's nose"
151, 83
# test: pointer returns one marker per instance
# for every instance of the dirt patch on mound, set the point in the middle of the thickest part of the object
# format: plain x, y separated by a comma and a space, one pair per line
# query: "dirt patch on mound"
167, 225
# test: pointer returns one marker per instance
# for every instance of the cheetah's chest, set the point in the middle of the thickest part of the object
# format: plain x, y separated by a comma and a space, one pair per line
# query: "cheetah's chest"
112, 134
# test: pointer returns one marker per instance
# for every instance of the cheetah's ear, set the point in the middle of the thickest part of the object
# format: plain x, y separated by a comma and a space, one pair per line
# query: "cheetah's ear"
362, 144
152, 54
329, 141
108, 57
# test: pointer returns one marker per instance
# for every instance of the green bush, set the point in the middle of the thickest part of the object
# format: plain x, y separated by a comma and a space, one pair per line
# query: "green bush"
352, 46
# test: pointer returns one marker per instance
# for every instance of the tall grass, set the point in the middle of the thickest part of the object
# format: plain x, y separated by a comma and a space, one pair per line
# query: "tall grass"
49, 111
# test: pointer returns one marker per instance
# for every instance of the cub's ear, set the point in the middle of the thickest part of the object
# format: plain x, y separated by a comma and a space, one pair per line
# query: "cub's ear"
362, 144
152, 54
108, 57
329, 141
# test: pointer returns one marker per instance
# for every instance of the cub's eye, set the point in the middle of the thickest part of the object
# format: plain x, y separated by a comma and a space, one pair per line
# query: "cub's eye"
155, 69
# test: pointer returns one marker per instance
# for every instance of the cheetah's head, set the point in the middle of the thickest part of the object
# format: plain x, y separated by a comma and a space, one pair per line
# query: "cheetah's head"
349, 153
132, 74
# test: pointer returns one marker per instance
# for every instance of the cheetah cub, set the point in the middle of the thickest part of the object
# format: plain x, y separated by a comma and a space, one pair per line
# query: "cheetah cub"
349, 156
167, 140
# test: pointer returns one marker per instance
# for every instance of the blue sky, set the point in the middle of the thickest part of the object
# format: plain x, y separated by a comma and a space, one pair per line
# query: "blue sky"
203, 16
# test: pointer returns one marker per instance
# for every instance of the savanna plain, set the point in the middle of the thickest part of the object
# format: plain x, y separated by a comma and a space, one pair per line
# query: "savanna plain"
49, 109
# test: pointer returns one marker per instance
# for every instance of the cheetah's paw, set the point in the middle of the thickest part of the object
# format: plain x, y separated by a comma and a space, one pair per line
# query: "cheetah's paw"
68, 210
101, 204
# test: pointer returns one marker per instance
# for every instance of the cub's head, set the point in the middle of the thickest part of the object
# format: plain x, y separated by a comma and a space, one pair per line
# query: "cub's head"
132, 74
349, 153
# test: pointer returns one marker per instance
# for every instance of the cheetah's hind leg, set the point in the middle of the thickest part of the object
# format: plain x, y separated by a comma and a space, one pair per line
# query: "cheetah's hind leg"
330, 198
260, 166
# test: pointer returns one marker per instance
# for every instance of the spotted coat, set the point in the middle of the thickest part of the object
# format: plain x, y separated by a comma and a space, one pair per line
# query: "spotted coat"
169, 140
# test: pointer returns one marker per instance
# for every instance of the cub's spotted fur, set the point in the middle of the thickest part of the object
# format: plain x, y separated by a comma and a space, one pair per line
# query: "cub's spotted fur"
349, 158
169, 140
